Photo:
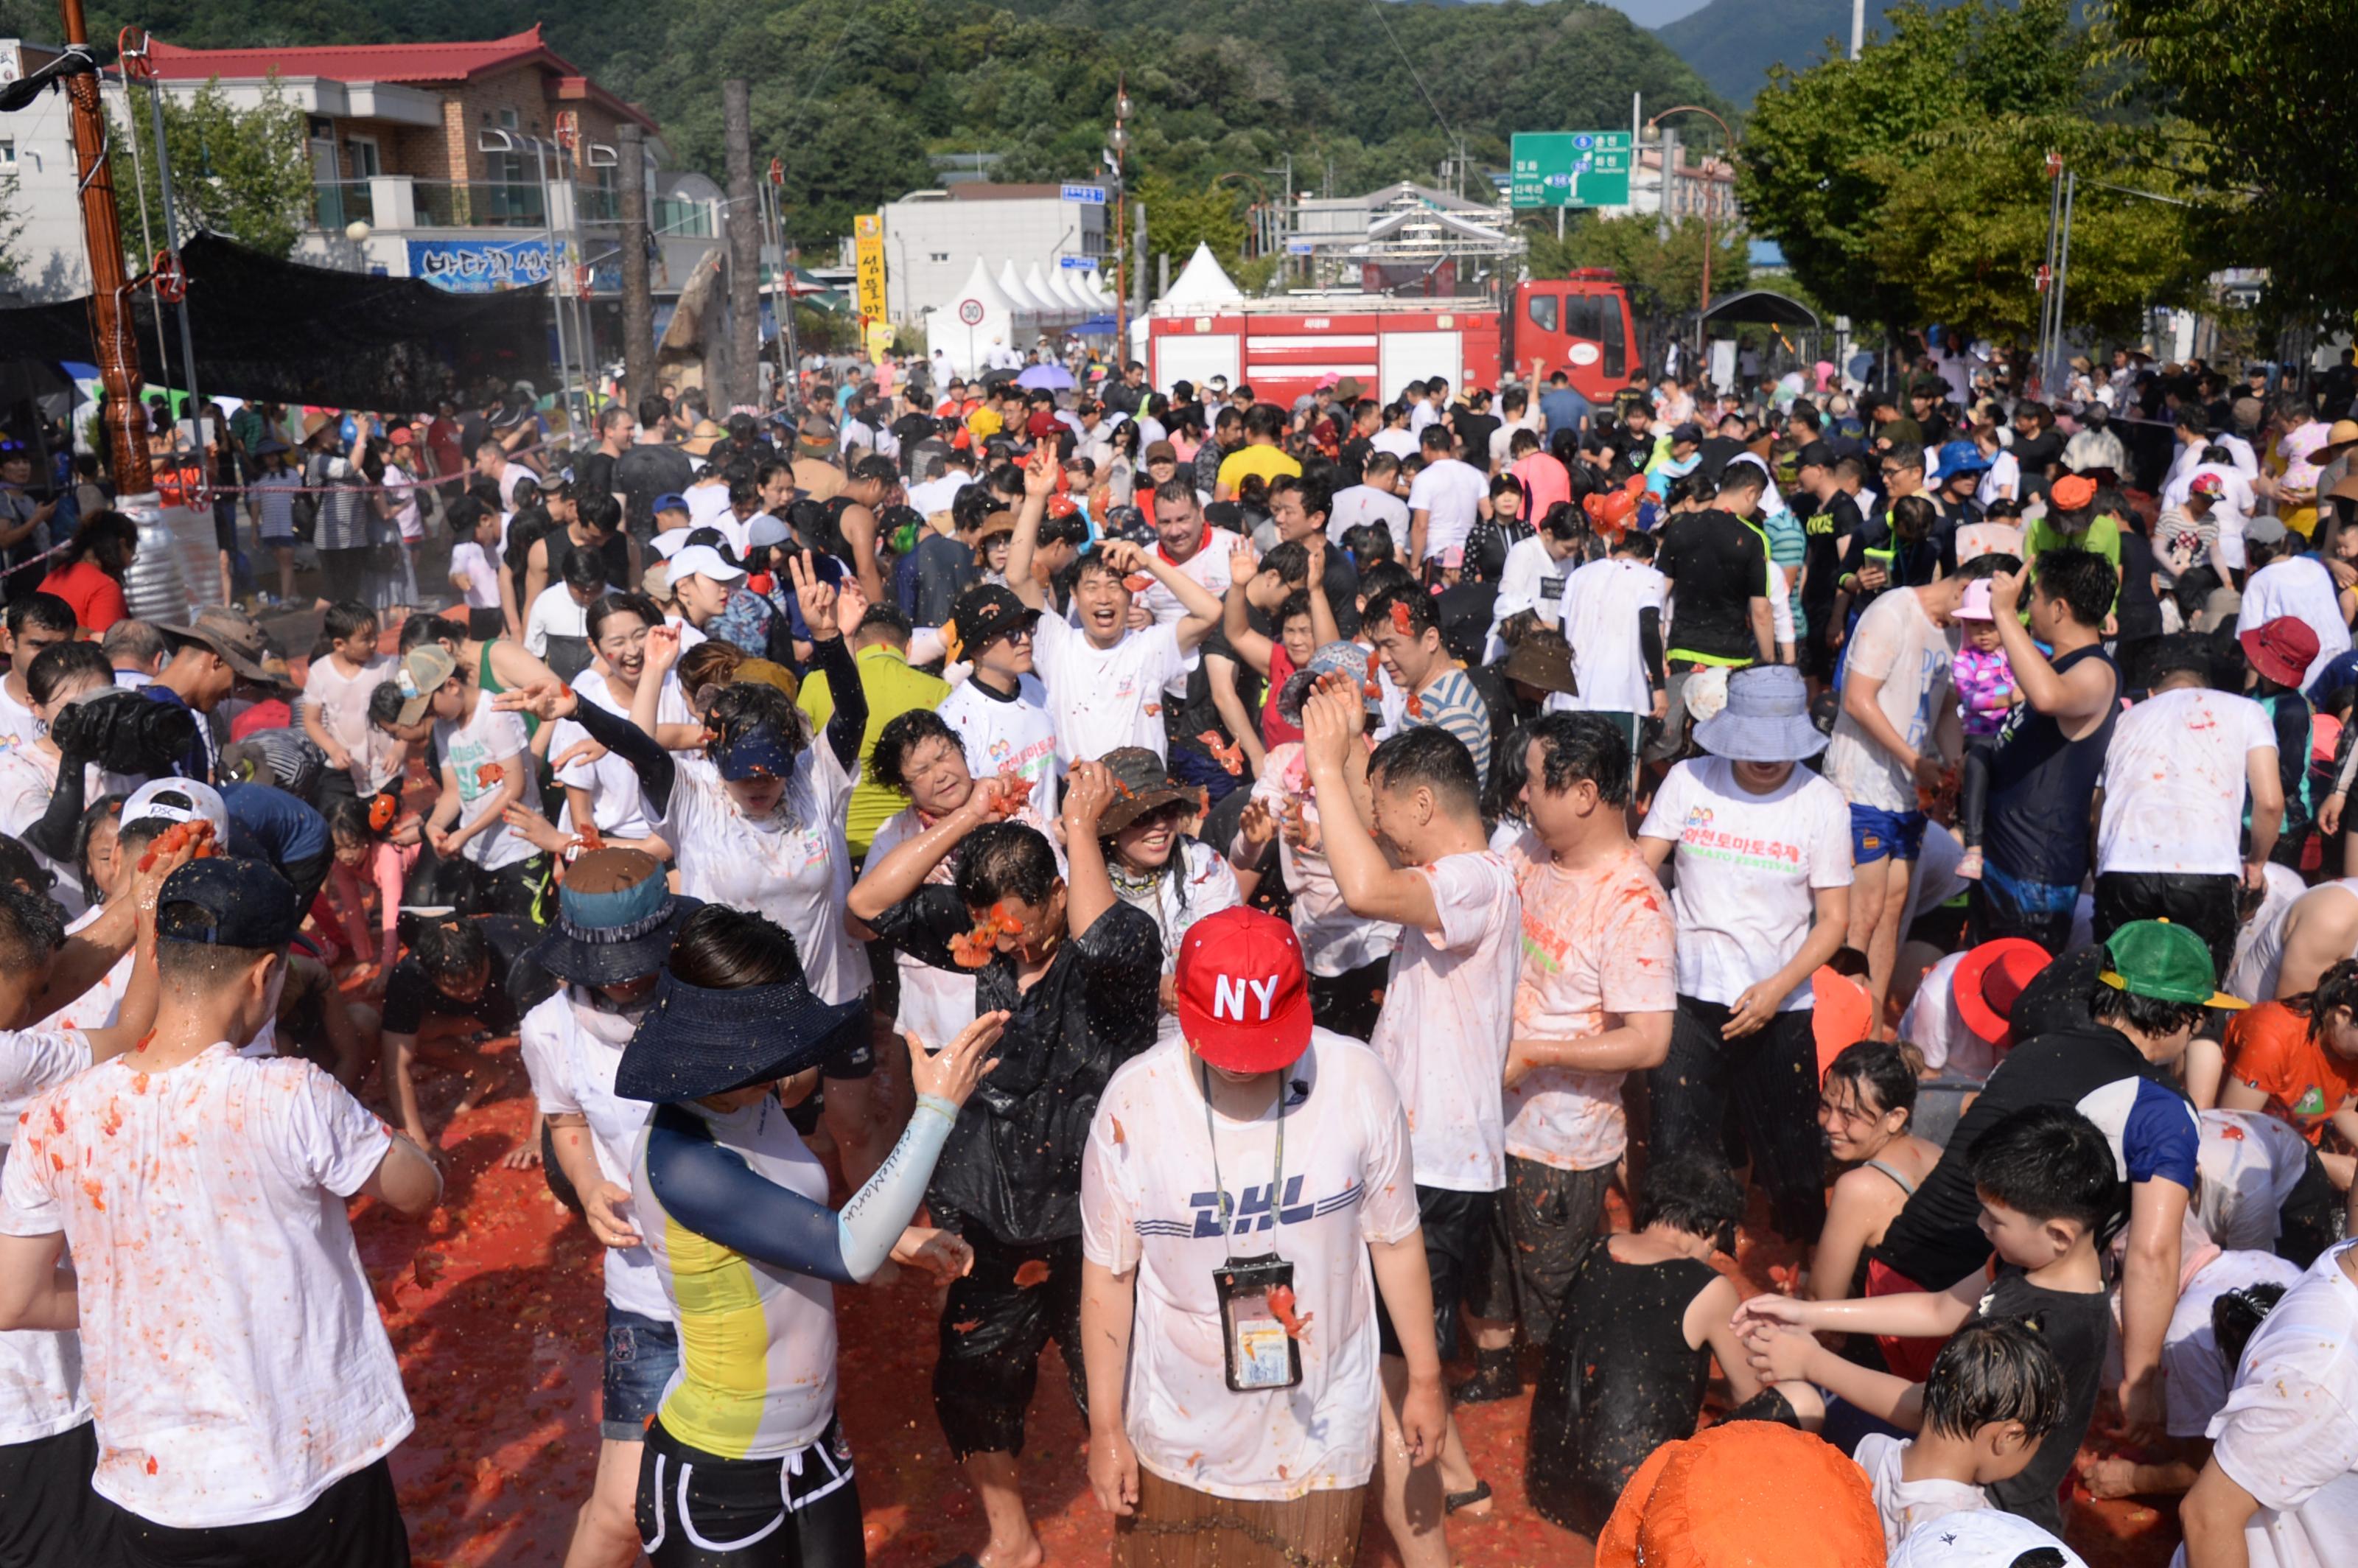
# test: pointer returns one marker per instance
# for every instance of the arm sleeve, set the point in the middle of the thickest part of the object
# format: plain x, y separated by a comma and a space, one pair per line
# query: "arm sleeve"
654, 765
1110, 1206
712, 1193
1649, 644
341, 1140
61, 821
923, 924
848, 723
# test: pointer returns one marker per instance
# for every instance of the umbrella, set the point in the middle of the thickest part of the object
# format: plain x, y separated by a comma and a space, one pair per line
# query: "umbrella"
1046, 377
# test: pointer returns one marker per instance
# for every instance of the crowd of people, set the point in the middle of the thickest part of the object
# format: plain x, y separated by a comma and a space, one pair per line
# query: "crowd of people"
1532, 837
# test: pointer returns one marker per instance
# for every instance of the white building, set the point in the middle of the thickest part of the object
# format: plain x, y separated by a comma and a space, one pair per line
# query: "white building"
932, 238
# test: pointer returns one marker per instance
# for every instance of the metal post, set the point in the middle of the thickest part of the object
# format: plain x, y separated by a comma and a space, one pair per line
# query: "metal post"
638, 295
110, 319
172, 244
1670, 151
2062, 270
2047, 294
1857, 27
555, 279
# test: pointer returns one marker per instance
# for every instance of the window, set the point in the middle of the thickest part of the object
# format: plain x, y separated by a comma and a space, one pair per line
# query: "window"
365, 164
938, 255
7, 153
507, 119
1541, 310
1583, 318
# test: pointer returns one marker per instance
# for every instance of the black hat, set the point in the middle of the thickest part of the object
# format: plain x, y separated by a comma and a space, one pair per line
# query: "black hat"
228, 901
1690, 431
616, 919
1817, 455
983, 613
694, 1041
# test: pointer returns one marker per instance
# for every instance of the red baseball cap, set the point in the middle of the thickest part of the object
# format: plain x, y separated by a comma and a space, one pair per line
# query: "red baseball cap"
1244, 997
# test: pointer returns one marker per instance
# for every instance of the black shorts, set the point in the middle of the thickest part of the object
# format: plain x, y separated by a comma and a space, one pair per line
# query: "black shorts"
1456, 1235
1349, 1003
356, 1523
2206, 905
992, 1333
1540, 1230
48, 1512
2310, 1219
515, 889
698, 1511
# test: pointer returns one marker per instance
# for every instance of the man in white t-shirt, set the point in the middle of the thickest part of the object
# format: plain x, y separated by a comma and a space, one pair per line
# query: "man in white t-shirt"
2280, 1489
1445, 501
1376, 499
202, 1193
2285, 581
1197, 550
1594, 1001
1448, 1009
487, 765
1896, 734
1107, 678
2170, 830
1612, 615
1171, 1324
1000, 709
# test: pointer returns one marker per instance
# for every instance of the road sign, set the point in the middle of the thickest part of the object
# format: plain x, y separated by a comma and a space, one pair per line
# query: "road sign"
1087, 195
1078, 264
1570, 169
970, 312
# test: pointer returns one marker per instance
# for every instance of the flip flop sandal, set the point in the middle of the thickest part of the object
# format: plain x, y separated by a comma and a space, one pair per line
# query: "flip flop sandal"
1480, 1493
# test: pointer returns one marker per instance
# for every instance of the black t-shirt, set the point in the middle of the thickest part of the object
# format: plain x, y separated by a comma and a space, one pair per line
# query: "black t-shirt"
2036, 453
410, 999
1475, 431
1714, 454
645, 472
593, 474
945, 569
2076, 1324
1720, 565
1823, 528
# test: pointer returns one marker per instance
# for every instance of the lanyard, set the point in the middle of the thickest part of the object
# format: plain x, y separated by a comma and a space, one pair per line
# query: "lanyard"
1277, 1161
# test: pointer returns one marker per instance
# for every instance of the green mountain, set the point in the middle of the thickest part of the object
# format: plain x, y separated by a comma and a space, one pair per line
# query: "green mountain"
1734, 42
854, 94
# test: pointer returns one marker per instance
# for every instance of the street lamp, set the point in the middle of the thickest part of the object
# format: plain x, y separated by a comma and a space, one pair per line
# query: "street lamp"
1117, 151
1654, 124
495, 140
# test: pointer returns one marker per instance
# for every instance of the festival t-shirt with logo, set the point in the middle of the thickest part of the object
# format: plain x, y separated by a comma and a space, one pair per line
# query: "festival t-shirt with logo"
1106, 698
1747, 870
1334, 940
570, 1052
41, 1371
1007, 735
2269, 1048
1149, 1203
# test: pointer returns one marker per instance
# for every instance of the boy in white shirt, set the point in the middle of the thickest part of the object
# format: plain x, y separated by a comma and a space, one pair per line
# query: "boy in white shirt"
473, 572
487, 766
203, 1195
1447, 1015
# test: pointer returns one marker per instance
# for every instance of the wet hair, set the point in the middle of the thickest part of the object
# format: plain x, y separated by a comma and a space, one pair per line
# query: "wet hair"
1878, 1073
902, 735
1692, 488
1384, 576
20, 868
1430, 756
2049, 1162
602, 513
2236, 1315
1912, 517
32, 927
40, 612
886, 619
384, 703
1003, 861
1993, 1370
1692, 1192
449, 949
1290, 562
206, 967
1292, 604
724, 949
347, 817
2337, 989
583, 568
1635, 546
1368, 544
60, 665
1577, 746
743, 704
2082, 579
2145, 1014
466, 514
614, 604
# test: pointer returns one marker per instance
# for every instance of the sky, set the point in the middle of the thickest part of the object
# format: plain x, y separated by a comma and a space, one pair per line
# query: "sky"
1646, 13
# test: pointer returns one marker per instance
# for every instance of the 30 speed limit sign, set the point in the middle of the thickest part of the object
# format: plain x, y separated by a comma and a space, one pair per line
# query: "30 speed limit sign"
970, 312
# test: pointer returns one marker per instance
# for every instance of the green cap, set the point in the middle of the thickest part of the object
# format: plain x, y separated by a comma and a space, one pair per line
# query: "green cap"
2166, 962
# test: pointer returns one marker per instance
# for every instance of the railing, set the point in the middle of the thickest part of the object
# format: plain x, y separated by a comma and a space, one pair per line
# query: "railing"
342, 202
597, 204
478, 204
675, 219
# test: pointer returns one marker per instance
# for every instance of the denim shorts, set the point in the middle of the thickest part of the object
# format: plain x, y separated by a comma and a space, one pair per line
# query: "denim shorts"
1876, 834
640, 1356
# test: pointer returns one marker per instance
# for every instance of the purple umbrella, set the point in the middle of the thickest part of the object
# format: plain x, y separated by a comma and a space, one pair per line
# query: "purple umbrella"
1046, 378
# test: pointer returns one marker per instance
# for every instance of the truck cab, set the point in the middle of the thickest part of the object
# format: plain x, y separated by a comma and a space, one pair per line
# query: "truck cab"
1580, 325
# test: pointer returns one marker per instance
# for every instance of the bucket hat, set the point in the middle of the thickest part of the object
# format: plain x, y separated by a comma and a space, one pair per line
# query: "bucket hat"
1141, 783
1767, 718
616, 919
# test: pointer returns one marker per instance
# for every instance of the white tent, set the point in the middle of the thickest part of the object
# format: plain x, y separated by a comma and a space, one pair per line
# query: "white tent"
1203, 283
968, 345
1029, 312
1053, 305
1077, 305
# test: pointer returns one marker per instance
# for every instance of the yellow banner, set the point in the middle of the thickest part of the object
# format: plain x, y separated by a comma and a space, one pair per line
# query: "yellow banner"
879, 339
867, 248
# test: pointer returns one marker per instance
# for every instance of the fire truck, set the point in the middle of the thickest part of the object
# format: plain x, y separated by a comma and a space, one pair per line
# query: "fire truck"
1286, 345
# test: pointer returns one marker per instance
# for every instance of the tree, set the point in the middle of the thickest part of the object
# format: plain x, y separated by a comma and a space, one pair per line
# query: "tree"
1177, 219
244, 173
2273, 131
12, 226
1663, 275
1910, 186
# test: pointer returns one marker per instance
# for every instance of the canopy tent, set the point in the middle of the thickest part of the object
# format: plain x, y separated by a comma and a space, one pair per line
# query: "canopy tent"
1202, 284
1762, 306
1029, 312
272, 330
1053, 305
967, 343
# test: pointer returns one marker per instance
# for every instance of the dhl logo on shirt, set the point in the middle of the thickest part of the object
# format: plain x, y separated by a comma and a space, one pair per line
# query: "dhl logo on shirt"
1252, 1211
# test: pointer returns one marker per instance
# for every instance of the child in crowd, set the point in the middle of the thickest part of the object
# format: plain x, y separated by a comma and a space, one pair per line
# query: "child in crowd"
2051, 1195
1985, 694
2297, 1059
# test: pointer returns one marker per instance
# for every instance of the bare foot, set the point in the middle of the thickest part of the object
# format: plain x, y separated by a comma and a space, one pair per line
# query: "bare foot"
1028, 1553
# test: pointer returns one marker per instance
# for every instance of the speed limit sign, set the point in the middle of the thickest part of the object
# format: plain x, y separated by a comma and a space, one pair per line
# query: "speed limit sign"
970, 312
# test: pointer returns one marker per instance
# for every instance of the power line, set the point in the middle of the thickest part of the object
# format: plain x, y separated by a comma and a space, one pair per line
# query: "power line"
1385, 24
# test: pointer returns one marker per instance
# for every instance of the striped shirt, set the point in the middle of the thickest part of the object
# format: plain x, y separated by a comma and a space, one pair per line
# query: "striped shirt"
273, 501
1451, 703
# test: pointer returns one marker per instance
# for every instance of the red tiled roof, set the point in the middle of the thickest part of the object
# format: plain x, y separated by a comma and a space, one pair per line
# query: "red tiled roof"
420, 63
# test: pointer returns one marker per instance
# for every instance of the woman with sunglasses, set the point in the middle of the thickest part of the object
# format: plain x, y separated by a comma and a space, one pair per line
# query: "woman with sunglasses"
1157, 865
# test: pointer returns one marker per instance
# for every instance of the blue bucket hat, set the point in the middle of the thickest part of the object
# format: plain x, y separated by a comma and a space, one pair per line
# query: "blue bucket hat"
1962, 456
695, 1042
1767, 718
616, 919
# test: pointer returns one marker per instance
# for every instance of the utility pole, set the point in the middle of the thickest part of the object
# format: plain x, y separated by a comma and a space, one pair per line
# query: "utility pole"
744, 246
1858, 26
1116, 154
110, 319
172, 248
638, 294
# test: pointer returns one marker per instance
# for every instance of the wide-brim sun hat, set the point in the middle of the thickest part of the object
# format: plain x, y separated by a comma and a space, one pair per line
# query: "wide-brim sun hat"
695, 1042
616, 920
1767, 718
1142, 783
1989, 980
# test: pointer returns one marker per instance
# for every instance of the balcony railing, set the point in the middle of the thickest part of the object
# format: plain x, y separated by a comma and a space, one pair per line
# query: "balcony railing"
478, 204
347, 201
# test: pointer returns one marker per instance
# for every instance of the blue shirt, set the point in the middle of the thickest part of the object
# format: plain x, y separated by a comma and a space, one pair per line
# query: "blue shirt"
1564, 409
266, 823
197, 763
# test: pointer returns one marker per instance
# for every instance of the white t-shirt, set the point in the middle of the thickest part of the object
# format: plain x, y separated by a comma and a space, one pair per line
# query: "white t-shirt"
1905, 1506
936, 494
1363, 504
2288, 1432
1746, 869
342, 701
555, 613
1398, 443
41, 1371
935, 1004
1450, 495
2298, 586
1601, 604
1896, 642
205, 1209
2246, 1166
571, 1066
1448, 1013
488, 737
1934, 1026
1594, 942
1196, 881
706, 505
2174, 779
21, 726
2194, 1379
29, 776
1008, 735
1209, 567
1523, 581
2259, 944
792, 866
616, 804
468, 559
2002, 480
98, 1007
1347, 1183
1104, 699
1334, 940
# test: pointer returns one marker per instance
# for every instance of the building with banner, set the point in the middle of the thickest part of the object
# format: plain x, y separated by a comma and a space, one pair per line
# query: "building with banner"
932, 238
